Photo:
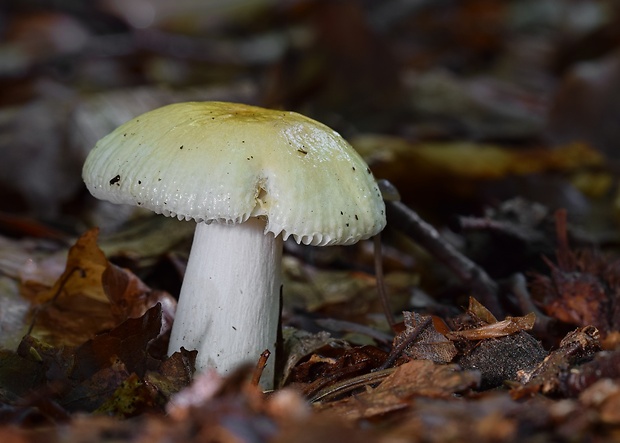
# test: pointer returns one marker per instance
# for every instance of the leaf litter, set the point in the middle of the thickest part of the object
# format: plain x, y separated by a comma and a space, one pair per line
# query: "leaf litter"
83, 376
120, 371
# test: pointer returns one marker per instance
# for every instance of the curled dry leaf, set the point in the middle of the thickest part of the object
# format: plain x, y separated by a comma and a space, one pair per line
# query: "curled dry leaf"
508, 326
298, 344
480, 312
489, 326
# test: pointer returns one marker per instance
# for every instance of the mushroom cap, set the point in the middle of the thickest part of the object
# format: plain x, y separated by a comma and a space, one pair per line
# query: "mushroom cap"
226, 162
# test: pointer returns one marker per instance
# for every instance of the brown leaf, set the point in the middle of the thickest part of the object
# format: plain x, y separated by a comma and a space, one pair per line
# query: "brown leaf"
130, 297
76, 307
484, 325
127, 343
18, 375
85, 265
604, 365
550, 375
91, 392
131, 398
429, 379
508, 326
429, 344
396, 392
69, 321
328, 365
174, 374
480, 311
583, 286
300, 344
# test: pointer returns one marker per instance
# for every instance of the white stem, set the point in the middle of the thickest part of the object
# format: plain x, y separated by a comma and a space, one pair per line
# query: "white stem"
229, 303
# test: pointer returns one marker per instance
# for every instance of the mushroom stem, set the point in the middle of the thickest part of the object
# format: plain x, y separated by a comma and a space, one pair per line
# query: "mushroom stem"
229, 303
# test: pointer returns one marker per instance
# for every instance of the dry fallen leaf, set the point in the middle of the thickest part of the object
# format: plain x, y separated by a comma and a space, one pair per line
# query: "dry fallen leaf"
429, 343
508, 326
552, 375
498, 349
82, 275
413, 379
582, 288
130, 297
114, 373
75, 308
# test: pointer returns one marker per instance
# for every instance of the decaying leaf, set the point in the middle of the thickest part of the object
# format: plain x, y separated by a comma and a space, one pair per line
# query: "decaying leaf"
76, 307
428, 345
299, 344
328, 365
550, 376
583, 287
131, 398
113, 373
508, 326
69, 320
338, 294
489, 327
82, 275
413, 379
92, 295
130, 297
127, 342
499, 349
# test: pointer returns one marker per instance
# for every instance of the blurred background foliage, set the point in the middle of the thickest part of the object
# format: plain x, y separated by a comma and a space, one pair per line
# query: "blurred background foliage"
495, 109
499, 75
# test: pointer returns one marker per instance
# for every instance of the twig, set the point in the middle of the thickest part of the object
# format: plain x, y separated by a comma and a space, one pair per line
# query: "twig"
357, 328
398, 350
544, 324
522, 233
408, 221
350, 384
564, 255
260, 367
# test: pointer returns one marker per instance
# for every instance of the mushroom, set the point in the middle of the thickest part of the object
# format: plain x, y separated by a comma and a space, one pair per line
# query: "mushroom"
251, 178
